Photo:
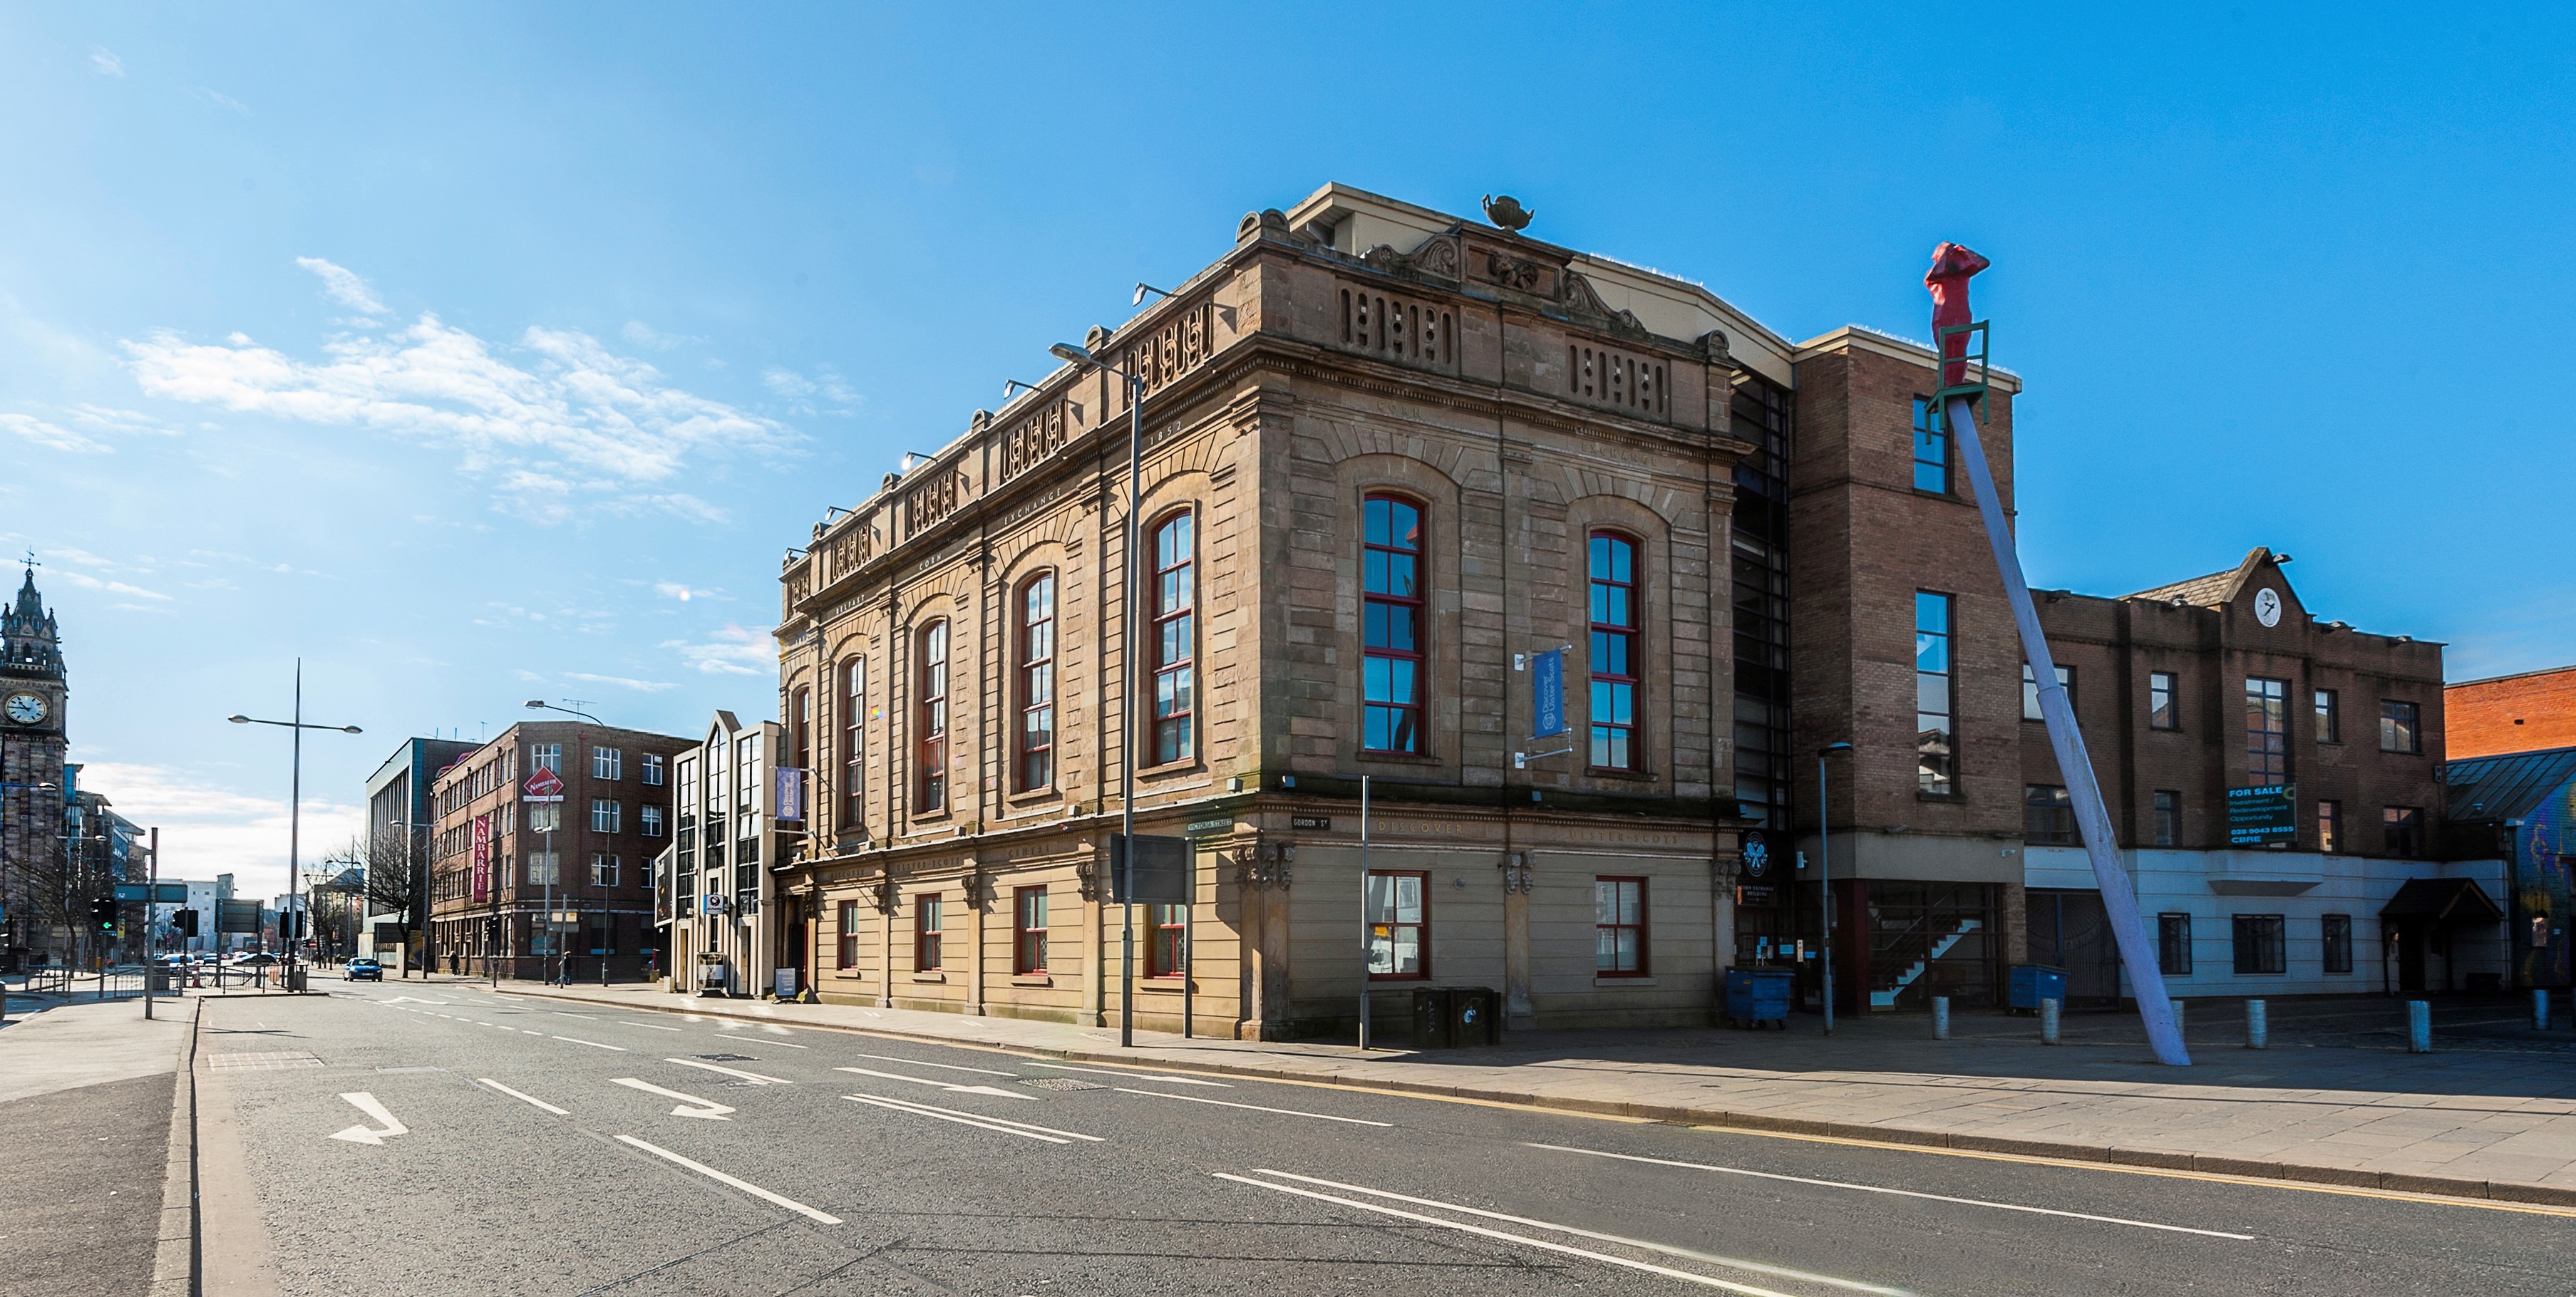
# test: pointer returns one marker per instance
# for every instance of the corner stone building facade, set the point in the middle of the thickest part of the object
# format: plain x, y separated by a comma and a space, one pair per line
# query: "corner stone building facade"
1392, 458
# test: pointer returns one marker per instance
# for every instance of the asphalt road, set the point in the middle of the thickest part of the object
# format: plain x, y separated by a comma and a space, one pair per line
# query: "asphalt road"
600, 1151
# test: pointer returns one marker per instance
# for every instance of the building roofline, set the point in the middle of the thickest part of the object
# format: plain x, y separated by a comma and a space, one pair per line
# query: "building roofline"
1865, 338
2517, 675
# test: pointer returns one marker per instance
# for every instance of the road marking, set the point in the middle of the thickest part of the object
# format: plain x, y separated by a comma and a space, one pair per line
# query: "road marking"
2211, 1177
1285, 1112
1900, 1193
754, 1077
773, 1028
787, 1044
525, 1032
1758, 1267
706, 1108
586, 1017
1132, 1076
592, 1043
650, 1026
367, 1104
1649, 1267
950, 1086
721, 1178
527, 1099
945, 1067
1047, 1134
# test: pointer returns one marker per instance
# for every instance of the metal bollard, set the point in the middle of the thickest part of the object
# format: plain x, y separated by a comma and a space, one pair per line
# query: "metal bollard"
2419, 1027
1940, 1017
2177, 1008
2258, 1025
2539, 1010
2048, 1011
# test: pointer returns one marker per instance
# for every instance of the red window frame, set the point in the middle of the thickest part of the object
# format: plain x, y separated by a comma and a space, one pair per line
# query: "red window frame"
1420, 925
930, 747
1035, 768
1608, 932
925, 932
1175, 642
845, 942
854, 720
1614, 636
1382, 601
1166, 931
1029, 940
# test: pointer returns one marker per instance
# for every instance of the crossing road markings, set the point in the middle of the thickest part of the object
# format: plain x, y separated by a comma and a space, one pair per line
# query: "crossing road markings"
1899, 1193
1285, 1112
387, 1129
950, 1086
1132, 1076
721, 1178
1738, 1263
754, 1077
707, 1109
592, 1043
530, 1100
945, 1067
1705, 1281
1044, 1134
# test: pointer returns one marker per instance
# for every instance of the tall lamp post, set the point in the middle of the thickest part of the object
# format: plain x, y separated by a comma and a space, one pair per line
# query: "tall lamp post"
554, 939
295, 798
1066, 351
1825, 870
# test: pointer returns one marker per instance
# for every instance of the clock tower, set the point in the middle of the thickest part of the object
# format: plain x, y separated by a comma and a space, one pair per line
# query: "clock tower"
33, 745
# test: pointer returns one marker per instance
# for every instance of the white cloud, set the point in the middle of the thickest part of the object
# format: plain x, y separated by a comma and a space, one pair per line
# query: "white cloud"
105, 63
562, 423
675, 590
645, 335
91, 418
222, 100
52, 436
623, 682
732, 651
208, 829
824, 392
88, 582
344, 286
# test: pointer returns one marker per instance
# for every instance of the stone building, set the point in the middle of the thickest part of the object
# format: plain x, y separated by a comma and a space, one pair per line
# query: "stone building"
502, 852
34, 748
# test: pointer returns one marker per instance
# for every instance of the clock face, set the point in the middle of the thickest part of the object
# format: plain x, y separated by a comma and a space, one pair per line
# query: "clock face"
25, 709
2267, 607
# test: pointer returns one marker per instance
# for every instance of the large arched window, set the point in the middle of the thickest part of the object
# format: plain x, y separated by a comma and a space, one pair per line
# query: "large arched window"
1037, 682
1174, 647
931, 745
1391, 662
1615, 664
854, 744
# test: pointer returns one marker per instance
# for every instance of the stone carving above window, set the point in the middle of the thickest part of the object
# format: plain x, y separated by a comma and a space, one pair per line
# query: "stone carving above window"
1380, 324
1618, 380
1032, 441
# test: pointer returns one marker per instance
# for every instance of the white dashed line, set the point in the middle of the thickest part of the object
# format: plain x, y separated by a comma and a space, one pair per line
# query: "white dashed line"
1285, 1112
592, 1043
485, 1080
721, 1178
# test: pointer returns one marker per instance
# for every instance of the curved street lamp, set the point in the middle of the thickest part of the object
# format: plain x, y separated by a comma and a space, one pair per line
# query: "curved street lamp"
295, 802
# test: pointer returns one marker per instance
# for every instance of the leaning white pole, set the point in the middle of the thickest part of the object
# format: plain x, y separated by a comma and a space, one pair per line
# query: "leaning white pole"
2155, 1008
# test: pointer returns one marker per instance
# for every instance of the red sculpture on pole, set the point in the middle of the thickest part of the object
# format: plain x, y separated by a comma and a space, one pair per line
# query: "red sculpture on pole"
1948, 280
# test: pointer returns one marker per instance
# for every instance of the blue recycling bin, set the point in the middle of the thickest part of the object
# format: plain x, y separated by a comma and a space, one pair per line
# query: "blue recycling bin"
2032, 983
1755, 996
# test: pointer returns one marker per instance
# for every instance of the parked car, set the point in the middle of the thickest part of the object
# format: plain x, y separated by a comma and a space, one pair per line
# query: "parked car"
255, 959
363, 969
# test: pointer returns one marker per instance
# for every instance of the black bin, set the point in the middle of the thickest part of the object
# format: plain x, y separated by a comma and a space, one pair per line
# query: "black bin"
1431, 1017
1475, 1016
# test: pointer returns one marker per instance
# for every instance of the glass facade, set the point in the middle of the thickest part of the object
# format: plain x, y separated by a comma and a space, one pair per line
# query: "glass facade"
1757, 558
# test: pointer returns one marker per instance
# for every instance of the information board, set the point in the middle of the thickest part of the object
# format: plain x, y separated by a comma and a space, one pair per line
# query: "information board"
2261, 816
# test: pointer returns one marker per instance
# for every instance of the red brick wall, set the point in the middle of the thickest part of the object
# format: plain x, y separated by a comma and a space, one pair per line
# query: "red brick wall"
2523, 713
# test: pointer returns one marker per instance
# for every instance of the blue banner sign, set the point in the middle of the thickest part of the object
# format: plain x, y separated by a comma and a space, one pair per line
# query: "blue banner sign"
788, 801
1547, 693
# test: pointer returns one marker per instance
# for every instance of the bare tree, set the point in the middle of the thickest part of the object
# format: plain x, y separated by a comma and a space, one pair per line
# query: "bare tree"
397, 880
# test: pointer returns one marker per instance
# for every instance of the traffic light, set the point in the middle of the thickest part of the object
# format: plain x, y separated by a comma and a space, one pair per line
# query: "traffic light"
102, 914
186, 921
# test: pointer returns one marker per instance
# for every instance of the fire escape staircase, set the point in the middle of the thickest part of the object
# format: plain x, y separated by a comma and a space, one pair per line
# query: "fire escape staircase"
1925, 946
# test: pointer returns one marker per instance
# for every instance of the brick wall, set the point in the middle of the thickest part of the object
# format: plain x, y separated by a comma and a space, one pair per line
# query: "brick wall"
2531, 712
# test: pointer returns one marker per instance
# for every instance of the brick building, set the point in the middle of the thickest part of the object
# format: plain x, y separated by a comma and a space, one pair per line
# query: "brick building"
499, 856
2529, 712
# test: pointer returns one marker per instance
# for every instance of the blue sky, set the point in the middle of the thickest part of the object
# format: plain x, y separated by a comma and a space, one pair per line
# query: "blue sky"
480, 353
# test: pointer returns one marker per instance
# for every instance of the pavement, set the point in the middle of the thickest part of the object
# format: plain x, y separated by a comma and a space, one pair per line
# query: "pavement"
446, 1139
88, 1090
2490, 1114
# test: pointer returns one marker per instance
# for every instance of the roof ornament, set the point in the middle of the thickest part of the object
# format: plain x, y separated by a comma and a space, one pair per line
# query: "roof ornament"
1508, 213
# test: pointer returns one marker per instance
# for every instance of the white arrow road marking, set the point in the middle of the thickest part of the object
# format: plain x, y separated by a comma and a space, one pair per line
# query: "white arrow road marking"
1222, 1103
721, 1178
1132, 1076
485, 1080
706, 1108
754, 1077
950, 1086
387, 1128
1047, 1134
411, 999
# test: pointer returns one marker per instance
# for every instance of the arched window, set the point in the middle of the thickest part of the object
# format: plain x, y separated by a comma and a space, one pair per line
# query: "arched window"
1174, 645
931, 747
854, 744
1037, 682
1391, 662
1615, 665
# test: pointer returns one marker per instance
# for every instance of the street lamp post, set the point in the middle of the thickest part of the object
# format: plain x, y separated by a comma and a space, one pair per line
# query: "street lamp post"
554, 939
1066, 351
1825, 870
295, 798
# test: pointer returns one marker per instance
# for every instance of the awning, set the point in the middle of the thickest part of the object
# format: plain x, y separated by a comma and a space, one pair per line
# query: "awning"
2443, 900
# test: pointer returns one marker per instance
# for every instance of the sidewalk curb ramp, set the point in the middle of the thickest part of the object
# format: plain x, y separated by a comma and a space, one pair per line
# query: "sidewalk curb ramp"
2198, 1163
